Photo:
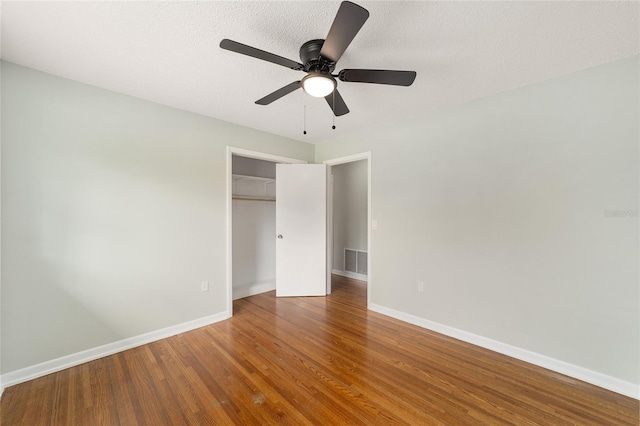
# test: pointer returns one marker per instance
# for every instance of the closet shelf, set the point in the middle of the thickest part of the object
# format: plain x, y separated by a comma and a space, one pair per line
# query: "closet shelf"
261, 195
263, 179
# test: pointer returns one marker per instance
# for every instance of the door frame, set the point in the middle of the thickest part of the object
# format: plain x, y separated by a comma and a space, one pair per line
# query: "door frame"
334, 162
229, 258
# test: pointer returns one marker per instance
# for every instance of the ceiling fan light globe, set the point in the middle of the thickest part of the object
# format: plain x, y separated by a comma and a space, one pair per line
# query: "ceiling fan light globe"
318, 85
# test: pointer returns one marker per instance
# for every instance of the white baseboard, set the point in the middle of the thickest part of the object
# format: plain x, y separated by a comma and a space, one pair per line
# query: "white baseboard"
253, 289
348, 274
48, 367
602, 380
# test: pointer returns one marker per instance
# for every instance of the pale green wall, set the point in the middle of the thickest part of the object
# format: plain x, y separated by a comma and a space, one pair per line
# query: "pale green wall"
499, 207
113, 212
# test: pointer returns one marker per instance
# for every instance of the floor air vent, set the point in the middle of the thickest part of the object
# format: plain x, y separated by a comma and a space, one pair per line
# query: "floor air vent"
355, 261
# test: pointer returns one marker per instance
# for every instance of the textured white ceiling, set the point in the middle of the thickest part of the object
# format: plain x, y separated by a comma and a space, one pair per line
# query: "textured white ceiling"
168, 52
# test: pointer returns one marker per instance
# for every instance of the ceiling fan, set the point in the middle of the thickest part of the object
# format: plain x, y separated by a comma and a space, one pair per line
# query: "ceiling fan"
319, 58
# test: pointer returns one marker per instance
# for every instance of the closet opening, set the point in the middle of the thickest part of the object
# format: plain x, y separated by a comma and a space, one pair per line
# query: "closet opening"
254, 226
251, 214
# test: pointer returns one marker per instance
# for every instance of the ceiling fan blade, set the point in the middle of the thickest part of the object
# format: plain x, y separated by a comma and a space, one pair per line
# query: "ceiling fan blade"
396, 78
279, 93
348, 21
243, 49
337, 104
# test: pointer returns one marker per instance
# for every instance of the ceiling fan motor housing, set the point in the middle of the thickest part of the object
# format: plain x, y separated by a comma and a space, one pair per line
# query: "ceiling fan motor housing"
310, 57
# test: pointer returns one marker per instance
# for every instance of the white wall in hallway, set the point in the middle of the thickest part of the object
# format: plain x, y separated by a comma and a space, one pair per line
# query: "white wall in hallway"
349, 209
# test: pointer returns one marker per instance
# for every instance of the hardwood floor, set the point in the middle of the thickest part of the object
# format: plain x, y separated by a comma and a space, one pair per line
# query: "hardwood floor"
324, 361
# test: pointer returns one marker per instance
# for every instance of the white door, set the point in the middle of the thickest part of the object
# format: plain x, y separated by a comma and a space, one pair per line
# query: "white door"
301, 229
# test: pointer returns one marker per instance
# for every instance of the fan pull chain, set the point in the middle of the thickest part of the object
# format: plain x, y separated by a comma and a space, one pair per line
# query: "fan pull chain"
304, 131
334, 110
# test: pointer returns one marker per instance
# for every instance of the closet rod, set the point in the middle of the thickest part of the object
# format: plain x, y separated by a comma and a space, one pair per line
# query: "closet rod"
253, 199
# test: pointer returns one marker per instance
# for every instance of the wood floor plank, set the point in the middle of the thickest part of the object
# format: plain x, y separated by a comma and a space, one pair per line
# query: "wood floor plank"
308, 361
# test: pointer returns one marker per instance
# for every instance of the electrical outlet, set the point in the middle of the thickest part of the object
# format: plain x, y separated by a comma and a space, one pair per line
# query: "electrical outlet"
420, 287
374, 224
204, 286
